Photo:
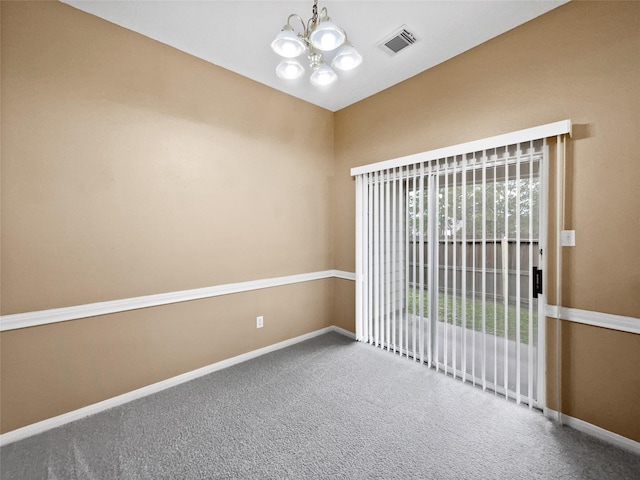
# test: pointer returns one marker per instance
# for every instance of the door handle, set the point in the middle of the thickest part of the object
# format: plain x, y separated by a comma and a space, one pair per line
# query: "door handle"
536, 277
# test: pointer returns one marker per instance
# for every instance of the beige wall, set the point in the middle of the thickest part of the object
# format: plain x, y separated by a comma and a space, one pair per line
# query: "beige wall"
579, 62
130, 168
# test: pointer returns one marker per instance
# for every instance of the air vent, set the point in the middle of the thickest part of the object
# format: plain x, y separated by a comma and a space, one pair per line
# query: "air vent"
398, 40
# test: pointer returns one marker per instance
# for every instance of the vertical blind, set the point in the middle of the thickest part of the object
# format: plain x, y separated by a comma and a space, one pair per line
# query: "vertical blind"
447, 242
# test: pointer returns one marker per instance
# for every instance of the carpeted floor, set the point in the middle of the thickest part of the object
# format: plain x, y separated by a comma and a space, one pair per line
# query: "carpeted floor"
325, 408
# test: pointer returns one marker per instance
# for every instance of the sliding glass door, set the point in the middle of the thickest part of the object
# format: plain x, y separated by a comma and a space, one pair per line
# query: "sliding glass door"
449, 252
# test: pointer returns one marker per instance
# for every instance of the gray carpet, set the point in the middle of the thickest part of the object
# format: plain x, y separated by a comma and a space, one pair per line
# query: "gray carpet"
325, 408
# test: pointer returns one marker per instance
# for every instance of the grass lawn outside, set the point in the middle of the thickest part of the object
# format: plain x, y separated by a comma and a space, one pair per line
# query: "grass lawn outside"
494, 314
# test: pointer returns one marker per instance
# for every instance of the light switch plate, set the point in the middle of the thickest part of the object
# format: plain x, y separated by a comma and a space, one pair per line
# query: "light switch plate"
568, 238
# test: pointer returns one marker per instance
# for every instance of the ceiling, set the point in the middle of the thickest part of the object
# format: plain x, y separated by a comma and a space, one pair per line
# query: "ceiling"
236, 35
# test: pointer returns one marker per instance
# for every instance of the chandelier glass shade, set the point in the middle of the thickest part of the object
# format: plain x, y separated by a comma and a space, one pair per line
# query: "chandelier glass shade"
318, 37
323, 75
327, 36
287, 44
289, 69
347, 58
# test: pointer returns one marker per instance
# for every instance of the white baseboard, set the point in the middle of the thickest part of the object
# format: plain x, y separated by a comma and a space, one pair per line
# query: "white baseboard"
48, 424
344, 332
595, 431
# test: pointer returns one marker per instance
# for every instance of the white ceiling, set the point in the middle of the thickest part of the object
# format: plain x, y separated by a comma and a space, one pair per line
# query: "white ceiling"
237, 35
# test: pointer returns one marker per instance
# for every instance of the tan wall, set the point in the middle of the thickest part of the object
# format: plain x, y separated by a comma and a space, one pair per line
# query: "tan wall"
344, 306
130, 168
579, 62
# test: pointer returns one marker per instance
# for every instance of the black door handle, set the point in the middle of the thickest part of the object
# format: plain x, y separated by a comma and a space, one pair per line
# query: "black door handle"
536, 277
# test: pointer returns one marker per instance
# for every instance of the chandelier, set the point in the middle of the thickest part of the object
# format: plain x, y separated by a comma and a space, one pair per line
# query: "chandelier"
319, 39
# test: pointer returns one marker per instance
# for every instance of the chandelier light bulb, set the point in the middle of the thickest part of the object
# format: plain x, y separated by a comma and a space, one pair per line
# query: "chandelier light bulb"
287, 44
289, 69
347, 58
323, 75
327, 36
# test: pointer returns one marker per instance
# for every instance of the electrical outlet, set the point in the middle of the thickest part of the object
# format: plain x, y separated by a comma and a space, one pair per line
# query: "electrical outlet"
259, 321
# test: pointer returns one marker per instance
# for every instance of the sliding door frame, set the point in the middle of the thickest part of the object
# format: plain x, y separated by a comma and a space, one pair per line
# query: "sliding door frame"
383, 172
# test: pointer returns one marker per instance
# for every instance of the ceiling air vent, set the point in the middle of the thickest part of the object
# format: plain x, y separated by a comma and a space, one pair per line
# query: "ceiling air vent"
398, 40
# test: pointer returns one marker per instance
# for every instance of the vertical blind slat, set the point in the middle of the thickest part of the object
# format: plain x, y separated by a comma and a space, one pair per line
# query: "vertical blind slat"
495, 276
518, 316
463, 289
383, 260
432, 270
454, 290
435, 267
376, 230
359, 253
473, 286
530, 393
505, 275
413, 233
445, 263
394, 259
387, 263
421, 269
371, 278
407, 290
484, 271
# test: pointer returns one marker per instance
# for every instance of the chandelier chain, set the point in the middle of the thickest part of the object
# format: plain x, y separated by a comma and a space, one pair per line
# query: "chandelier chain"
314, 19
